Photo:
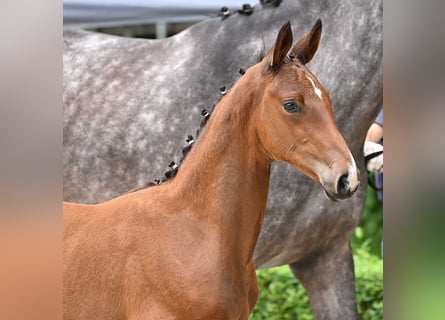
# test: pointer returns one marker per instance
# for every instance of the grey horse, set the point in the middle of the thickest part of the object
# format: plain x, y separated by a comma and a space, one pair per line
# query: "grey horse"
129, 104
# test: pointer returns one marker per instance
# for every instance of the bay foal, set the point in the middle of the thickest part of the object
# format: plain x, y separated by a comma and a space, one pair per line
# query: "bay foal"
184, 249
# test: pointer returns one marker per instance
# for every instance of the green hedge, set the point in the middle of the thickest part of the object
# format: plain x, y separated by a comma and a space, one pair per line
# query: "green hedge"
282, 297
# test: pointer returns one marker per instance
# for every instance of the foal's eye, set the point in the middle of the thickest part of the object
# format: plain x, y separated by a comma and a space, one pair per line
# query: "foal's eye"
291, 106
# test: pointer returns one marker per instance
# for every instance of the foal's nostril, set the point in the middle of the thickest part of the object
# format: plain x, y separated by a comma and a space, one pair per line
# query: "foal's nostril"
343, 185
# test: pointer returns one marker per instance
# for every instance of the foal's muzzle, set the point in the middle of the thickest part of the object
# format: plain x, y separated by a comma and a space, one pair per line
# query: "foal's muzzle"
343, 189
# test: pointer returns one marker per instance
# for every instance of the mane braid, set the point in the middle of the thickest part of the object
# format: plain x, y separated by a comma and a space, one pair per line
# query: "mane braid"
190, 142
247, 9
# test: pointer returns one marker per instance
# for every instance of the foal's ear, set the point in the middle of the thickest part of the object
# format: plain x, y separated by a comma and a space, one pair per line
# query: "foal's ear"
282, 45
305, 48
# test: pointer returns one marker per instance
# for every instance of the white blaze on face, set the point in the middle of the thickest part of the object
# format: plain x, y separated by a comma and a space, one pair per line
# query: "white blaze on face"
317, 90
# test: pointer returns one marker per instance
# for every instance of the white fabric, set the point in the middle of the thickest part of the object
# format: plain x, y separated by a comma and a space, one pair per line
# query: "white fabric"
115, 13
375, 164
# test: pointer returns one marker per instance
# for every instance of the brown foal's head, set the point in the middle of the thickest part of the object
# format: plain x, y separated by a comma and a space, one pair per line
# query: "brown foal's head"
295, 120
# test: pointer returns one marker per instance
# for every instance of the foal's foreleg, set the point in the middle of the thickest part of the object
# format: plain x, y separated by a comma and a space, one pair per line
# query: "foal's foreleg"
252, 294
328, 278
253, 290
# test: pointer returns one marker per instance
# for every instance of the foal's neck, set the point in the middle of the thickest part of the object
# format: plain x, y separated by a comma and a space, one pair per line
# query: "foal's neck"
226, 175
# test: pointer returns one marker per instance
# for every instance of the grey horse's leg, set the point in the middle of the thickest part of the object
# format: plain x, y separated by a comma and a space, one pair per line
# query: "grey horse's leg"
328, 277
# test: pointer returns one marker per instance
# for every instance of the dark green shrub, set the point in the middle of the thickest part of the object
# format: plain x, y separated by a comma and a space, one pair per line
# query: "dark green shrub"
368, 284
282, 297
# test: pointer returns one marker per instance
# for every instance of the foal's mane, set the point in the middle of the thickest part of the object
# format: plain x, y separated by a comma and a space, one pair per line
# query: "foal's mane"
190, 141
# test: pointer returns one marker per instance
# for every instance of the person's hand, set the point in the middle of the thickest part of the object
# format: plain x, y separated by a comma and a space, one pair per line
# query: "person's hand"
375, 164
